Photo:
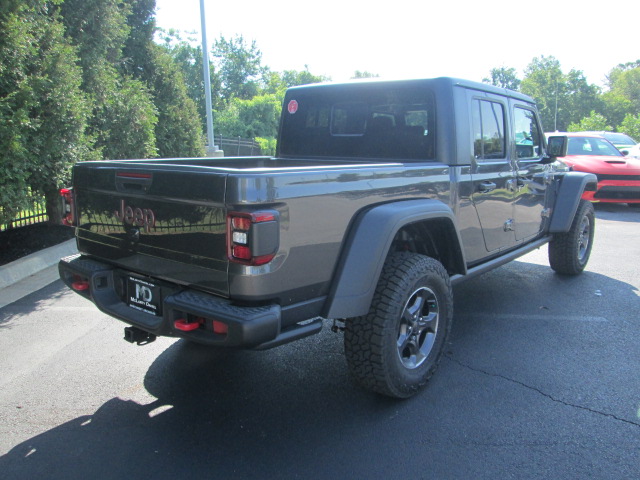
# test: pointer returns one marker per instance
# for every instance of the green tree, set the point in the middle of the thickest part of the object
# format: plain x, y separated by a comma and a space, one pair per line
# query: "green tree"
187, 54
594, 122
141, 107
631, 126
616, 106
544, 82
179, 128
43, 111
580, 98
503, 77
257, 117
278, 82
178, 131
623, 96
240, 68
267, 145
142, 25
247, 97
618, 70
98, 29
123, 118
293, 78
16, 101
562, 99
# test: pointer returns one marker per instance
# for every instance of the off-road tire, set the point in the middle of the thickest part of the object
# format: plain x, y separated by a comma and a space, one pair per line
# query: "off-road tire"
569, 252
396, 347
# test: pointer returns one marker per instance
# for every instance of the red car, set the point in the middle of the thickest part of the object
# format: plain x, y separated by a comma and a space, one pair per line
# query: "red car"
618, 176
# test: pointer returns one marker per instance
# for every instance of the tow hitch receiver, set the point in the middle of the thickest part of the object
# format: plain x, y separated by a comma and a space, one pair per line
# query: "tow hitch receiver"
138, 336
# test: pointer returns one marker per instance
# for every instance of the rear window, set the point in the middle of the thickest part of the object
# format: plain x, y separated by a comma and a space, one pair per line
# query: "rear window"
619, 138
389, 123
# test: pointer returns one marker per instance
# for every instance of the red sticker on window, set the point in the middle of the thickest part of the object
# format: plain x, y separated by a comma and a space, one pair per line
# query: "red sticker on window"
292, 107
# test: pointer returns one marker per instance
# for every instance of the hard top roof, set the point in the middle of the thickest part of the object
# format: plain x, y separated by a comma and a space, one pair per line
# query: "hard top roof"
434, 83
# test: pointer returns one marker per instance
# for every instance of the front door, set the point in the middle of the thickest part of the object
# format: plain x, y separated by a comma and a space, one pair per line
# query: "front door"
530, 174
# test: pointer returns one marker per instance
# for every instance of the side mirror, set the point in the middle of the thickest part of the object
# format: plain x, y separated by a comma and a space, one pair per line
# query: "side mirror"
557, 146
624, 152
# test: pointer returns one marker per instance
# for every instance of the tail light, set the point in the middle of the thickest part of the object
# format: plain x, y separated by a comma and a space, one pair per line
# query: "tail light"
252, 238
68, 207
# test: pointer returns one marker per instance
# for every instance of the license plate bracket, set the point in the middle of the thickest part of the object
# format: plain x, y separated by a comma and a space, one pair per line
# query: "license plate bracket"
144, 296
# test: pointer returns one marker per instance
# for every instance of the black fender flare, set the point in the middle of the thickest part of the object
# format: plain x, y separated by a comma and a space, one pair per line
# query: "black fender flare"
366, 249
570, 191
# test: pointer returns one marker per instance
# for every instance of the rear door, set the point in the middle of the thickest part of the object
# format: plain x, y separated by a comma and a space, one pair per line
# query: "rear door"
492, 171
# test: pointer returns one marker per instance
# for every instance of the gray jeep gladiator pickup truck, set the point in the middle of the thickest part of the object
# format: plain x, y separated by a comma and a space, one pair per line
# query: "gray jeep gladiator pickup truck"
381, 196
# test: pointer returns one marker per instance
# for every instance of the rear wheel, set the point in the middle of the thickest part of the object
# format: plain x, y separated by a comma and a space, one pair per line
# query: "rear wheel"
396, 347
569, 252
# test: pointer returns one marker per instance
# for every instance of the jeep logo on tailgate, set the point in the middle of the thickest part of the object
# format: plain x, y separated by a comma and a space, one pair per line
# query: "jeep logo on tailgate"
141, 217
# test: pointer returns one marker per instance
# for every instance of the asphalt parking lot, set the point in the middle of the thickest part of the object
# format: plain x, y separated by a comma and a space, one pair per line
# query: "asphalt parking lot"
541, 379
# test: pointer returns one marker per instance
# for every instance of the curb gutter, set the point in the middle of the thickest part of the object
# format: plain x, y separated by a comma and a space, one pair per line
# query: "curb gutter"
22, 268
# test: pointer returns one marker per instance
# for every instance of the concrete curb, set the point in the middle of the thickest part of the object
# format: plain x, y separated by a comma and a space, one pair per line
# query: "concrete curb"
22, 268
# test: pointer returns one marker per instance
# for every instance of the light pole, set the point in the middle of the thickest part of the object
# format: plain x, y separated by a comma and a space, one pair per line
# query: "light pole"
212, 149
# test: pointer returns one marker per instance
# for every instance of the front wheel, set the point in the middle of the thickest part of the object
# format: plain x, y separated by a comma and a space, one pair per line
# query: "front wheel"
569, 252
396, 347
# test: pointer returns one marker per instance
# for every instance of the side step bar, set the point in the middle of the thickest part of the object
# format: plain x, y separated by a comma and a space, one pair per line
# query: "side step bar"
491, 264
295, 332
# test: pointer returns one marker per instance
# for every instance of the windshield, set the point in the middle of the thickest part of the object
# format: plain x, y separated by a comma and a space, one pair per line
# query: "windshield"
375, 122
591, 146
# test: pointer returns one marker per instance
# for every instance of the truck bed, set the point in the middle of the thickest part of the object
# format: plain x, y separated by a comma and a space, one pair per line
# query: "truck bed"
177, 212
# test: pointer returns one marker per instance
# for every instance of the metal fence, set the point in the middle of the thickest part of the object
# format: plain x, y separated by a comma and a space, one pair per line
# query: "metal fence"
237, 147
35, 213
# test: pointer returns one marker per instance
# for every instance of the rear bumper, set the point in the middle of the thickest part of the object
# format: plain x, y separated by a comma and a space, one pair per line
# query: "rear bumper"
242, 326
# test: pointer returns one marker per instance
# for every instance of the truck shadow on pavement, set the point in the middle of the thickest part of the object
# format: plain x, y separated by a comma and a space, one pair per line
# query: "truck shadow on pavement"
217, 415
292, 412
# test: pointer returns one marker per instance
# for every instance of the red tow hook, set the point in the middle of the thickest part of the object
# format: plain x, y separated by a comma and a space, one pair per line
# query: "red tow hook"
79, 284
185, 326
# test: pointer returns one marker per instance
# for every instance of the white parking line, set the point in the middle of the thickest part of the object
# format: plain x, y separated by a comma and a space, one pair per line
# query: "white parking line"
531, 318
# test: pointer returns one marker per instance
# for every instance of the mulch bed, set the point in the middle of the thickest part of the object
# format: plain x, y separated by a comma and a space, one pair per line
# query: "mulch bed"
18, 242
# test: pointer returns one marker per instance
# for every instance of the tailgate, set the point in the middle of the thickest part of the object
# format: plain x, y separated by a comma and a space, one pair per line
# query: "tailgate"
165, 221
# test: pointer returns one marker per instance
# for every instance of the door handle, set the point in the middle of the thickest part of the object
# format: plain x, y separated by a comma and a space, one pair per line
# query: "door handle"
486, 187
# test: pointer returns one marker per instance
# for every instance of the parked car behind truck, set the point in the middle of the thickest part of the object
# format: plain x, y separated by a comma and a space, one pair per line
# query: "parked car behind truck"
621, 141
382, 195
618, 175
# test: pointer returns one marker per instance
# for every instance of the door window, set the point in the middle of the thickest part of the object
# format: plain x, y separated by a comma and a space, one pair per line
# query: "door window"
527, 134
488, 130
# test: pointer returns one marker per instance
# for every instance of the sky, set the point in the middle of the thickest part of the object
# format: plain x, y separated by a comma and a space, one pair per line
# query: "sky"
420, 39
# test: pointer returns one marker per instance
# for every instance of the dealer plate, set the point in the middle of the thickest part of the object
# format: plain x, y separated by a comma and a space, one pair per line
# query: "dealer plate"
144, 296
